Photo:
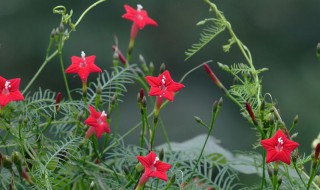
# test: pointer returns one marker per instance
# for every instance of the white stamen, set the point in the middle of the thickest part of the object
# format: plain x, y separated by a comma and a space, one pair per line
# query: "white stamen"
163, 80
103, 114
280, 140
139, 7
155, 160
83, 55
7, 85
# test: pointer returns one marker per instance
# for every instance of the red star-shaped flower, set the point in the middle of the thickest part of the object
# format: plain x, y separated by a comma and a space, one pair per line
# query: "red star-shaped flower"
83, 66
9, 91
153, 167
163, 86
97, 122
139, 17
279, 148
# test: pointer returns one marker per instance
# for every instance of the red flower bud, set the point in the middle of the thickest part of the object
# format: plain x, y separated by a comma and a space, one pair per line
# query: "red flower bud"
58, 100
141, 94
212, 75
120, 55
316, 153
249, 109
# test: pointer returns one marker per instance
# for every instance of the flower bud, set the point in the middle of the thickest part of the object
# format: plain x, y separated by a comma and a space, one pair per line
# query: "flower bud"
212, 76
53, 33
120, 55
294, 135
144, 102
143, 64
61, 27
151, 68
198, 119
7, 161
141, 94
161, 154
215, 106
126, 169
16, 157
316, 152
139, 167
58, 100
173, 178
162, 68
250, 111
295, 120
270, 172
318, 51
92, 185
26, 176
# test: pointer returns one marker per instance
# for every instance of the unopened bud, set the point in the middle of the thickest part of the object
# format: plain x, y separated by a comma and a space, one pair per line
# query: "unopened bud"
92, 185
262, 106
126, 169
80, 115
296, 119
16, 157
57, 31
143, 64
139, 167
294, 135
58, 100
162, 68
161, 154
215, 106
99, 90
198, 119
144, 102
120, 55
250, 111
61, 27
316, 152
173, 178
151, 68
212, 76
7, 161
318, 52
141, 93
53, 33
270, 172
26, 176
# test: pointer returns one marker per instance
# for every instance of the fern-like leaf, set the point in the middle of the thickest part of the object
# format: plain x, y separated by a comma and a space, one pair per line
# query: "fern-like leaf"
207, 35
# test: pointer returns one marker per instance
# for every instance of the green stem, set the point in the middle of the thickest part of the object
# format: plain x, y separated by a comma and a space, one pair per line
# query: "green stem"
313, 183
64, 74
87, 10
298, 172
313, 173
263, 169
40, 70
214, 116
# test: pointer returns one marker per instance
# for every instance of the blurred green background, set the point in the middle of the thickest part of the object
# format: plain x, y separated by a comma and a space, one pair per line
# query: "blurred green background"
282, 36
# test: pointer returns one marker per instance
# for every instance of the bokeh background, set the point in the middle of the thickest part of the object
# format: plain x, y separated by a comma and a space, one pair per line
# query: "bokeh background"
282, 36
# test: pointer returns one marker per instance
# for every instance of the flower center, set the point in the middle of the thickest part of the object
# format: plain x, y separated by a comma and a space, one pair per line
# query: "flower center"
99, 120
153, 168
163, 85
6, 91
279, 146
139, 8
84, 63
